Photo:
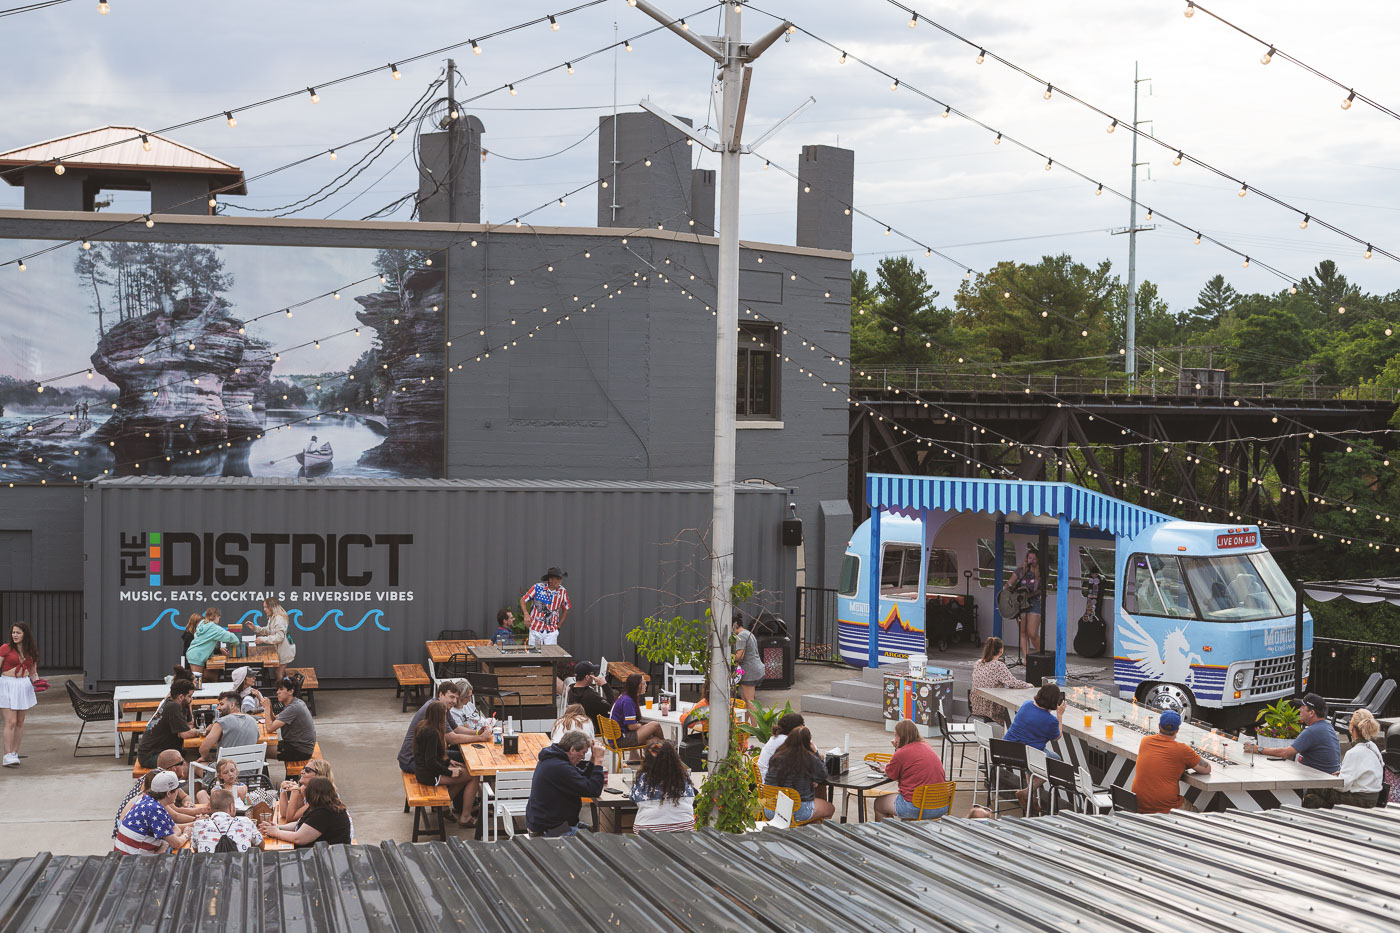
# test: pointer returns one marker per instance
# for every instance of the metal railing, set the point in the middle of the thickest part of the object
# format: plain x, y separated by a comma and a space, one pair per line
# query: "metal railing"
934, 379
1340, 667
817, 638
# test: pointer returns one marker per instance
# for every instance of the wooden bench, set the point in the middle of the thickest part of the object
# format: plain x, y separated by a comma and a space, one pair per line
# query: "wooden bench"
309, 686
134, 728
421, 800
294, 768
139, 772
412, 679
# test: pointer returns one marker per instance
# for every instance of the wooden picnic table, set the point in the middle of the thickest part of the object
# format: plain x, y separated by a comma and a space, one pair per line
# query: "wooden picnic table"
126, 693
442, 651
486, 759
258, 656
621, 670
270, 739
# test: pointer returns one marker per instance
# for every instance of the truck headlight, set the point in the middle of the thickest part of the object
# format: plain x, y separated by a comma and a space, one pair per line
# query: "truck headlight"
1239, 679
1307, 666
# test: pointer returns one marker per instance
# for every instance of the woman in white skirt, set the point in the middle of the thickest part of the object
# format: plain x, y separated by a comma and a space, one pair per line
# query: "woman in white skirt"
19, 667
275, 633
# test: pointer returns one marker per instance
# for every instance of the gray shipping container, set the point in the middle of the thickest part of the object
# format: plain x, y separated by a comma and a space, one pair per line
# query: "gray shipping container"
369, 570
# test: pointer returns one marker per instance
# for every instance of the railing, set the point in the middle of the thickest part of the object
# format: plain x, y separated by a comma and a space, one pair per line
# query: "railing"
57, 618
1340, 667
817, 638
920, 379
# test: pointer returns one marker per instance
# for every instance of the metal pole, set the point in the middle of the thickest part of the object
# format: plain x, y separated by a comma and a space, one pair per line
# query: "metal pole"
1130, 360
726, 388
613, 205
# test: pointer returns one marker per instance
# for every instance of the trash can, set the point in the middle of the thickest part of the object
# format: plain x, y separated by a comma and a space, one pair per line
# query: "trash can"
778, 651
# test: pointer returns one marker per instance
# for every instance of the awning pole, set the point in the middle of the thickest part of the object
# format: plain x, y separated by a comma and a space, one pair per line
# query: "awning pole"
1297, 641
998, 576
872, 574
1062, 602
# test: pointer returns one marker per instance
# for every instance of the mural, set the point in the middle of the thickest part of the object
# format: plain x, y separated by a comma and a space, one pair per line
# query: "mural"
158, 359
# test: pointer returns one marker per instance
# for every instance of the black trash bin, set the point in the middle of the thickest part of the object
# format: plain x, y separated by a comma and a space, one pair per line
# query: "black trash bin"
778, 651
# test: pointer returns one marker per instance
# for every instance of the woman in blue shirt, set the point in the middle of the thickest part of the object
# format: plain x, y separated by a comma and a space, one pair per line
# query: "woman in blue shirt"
1035, 726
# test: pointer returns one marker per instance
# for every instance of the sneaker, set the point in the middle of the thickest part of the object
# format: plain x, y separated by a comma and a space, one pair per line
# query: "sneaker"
11, 760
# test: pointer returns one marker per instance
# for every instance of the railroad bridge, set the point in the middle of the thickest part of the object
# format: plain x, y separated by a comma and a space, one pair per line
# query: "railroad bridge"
1202, 445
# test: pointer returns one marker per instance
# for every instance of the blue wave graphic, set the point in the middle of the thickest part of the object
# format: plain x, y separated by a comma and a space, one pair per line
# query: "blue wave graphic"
174, 620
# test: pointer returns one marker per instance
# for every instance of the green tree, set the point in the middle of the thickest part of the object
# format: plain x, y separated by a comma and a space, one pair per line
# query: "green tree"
1269, 344
1213, 302
897, 321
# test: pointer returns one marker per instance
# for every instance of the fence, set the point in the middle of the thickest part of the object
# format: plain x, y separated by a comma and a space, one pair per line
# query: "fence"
817, 638
1340, 667
57, 619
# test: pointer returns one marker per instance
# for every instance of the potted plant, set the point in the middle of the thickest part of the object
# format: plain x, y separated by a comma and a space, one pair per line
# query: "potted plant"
1279, 725
763, 719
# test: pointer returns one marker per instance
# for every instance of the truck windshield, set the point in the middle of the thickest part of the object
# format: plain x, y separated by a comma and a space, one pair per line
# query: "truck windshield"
1238, 587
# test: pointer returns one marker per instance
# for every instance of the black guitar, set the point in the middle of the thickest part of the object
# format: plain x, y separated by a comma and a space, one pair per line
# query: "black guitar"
1089, 640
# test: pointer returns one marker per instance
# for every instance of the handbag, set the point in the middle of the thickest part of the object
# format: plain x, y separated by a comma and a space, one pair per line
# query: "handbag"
41, 685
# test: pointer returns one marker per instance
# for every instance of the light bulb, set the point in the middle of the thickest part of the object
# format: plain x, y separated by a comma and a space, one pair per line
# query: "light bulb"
1099, 191
997, 141
1341, 309
393, 134
87, 245
1367, 254
1198, 239
213, 201
476, 49
332, 155
1048, 91
228, 114
394, 70
627, 46
22, 266
512, 89
1246, 262
843, 58
58, 168
145, 142
554, 24
561, 202
685, 26
454, 114
1177, 159
1112, 126
315, 98
1293, 289
848, 212
570, 66
1268, 56
913, 20
103, 7
1149, 214
149, 221
894, 85
647, 162
517, 221
887, 231
1049, 163
1190, 9
1303, 224
947, 110
981, 56
1346, 104
1244, 190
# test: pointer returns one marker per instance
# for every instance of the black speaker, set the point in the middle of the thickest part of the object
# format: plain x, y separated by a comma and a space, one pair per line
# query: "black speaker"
1039, 665
792, 532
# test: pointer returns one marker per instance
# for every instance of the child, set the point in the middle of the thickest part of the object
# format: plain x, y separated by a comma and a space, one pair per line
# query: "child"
225, 776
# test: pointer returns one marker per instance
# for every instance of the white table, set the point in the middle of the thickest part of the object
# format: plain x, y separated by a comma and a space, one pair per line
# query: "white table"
671, 722
149, 692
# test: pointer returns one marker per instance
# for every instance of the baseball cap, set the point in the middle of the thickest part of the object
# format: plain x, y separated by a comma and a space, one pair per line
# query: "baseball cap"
1170, 721
240, 675
1317, 703
584, 669
165, 782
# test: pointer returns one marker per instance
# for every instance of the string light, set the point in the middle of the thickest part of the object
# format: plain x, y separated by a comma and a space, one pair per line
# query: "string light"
1244, 190
554, 24
1049, 163
512, 89
947, 110
1149, 215
1190, 9
394, 70
149, 221
1112, 126
476, 49
1198, 238
1098, 192
569, 66
1367, 254
894, 85
1303, 224
685, 26
997, 141
145, 142
913, 20
627, 46
843, 58
331, 152
1268, 56
1246, 262
981, 56
228, 115
1177, 159
1048, 91
315, 98
87, 245
58, 168
103, 7
1346, 104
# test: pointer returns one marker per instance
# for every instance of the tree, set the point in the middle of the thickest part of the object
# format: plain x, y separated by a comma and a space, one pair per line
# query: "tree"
1217, 299
897, 322
1156, 326
1269, 344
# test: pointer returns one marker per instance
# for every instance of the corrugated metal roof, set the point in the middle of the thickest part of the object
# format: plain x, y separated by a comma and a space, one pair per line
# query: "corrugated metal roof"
528, 485
907, 494
118, 147
1237, 872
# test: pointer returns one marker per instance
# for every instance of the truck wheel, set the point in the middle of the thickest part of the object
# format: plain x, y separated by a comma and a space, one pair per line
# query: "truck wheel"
942, 644
1165, 697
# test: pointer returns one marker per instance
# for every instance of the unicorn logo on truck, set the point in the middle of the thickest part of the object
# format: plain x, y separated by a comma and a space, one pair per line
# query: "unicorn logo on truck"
1173, 663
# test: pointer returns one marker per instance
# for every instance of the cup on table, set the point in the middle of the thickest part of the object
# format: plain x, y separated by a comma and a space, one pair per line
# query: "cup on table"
648, 702
1088, 720
1108, 731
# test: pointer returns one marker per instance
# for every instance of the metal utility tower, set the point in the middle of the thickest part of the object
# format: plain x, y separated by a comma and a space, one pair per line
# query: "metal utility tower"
1132, 230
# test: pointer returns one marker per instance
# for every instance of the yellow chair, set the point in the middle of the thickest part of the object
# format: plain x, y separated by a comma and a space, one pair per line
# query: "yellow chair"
933, 797
610, 734
768, 801
873, 758
753, 771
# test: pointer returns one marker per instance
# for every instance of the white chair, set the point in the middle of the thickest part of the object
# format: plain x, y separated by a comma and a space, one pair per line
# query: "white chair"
1035, 764
251, 759
505, 802
562, 700
676, 675
1095, 799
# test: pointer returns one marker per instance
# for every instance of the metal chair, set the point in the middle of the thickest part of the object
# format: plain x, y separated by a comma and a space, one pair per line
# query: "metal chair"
1363, 696
768, 798
1096, 800
610, 734
933, 797
1124, 800
1062, 779
954, 735
458, 667
488, 687
251, 760
504, 802
89, 707
457, 634
1341, 717
674, 676
1007, 758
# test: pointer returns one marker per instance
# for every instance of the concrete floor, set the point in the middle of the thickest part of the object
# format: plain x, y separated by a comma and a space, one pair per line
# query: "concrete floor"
64, 805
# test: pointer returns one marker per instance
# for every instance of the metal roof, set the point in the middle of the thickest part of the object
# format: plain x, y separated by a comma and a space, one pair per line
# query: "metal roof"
119, 148
526, 485
1326, 870
1385, 590
908, 494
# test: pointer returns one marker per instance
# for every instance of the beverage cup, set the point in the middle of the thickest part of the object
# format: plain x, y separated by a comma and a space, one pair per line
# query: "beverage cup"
1088, 720
1108, 732
648, 702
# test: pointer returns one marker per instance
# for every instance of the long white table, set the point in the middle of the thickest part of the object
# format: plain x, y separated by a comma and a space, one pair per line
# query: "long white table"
671, 722
122, 694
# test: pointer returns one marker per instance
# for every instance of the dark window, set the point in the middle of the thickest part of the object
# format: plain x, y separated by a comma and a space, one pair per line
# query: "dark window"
758, 371
850, 576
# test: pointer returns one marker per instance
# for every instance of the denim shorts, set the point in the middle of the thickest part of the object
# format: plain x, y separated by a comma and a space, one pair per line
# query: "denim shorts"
907, 811
800, 814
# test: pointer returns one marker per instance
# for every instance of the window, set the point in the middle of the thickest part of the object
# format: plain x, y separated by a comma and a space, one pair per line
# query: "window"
1232, 589
850, 576
757, 395
942, 567
899, 570
986, 560
1100, 559
1155, 587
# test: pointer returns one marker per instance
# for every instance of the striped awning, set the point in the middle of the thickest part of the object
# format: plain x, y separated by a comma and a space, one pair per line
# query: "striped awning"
907, 495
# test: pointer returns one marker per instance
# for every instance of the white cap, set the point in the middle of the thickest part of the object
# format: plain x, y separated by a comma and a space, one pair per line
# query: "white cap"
165, 782
240, 674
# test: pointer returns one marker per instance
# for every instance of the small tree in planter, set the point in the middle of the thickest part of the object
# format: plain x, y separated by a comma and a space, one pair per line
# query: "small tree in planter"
1280, 725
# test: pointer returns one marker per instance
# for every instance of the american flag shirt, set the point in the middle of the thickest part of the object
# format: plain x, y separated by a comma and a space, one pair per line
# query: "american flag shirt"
545, 606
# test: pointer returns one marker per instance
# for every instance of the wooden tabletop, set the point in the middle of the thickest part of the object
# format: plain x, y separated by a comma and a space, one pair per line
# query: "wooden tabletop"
442, 651
267, 738
622, 670
258, 656
489, 760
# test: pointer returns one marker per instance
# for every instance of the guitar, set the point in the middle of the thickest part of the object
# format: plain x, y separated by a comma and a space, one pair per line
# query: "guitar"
1089, 640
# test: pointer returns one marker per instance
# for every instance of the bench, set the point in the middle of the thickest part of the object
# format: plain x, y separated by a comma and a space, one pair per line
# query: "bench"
411, 679
135, 728
294, 768
422, 799
309, 686
138, 772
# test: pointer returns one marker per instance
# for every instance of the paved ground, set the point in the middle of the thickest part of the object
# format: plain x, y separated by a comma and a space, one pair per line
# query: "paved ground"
56, 803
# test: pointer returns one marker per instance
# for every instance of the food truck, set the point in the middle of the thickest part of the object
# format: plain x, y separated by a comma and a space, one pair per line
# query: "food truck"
1197, 616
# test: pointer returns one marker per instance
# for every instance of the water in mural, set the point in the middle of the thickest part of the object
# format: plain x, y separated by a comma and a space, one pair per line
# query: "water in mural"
182, 360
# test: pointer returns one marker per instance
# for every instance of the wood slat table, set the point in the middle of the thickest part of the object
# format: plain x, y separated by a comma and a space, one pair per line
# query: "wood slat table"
621, 670
486, 759
128, 692
529, 672
270, 739
258, 656
440, 652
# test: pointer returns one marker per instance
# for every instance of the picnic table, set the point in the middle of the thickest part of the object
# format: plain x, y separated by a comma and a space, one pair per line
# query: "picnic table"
441, 651
257, 656
127, 692
621, 670
486, 759
270, 739
529, 671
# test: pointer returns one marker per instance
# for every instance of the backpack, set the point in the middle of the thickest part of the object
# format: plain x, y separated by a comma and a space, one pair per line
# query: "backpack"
226, 843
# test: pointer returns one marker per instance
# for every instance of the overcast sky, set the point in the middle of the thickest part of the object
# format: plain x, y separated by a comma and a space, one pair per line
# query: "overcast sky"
158, 62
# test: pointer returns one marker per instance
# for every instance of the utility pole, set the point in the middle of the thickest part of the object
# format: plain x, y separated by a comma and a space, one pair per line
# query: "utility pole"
1132, 230
452, 141
734, 60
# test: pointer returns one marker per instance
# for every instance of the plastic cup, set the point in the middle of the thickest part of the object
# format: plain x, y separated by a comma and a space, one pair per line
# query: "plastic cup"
1088, 720
648, 702
1108, 731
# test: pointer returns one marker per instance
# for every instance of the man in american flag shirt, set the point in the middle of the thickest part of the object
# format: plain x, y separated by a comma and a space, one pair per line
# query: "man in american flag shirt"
546, 606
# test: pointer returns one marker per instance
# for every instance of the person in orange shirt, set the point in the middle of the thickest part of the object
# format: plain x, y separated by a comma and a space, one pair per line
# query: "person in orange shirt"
1160, 764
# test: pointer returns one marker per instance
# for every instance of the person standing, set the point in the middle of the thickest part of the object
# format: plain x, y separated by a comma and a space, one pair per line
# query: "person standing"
1160, 763
747, 659
19, 668
1029, 577
276, 632
1316, 746
546, 606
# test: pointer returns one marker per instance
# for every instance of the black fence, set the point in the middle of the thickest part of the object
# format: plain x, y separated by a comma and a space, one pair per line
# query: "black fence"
1340, 667
57, 619
817, 639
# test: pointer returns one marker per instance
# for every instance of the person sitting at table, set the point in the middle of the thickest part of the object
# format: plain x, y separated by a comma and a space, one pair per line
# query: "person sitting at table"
168, 760
798, 766
249, 699
432, 767
627, 713
1316, 746
448, 694
325, 820
225, 776
276, 632
991, 672
697, 718
297, 728
169, 726
662, 791
291, 795
786, 723
1036, 726
1362, 772
913, 764
562, 779
505, 634
465, 722
1161, 761
208, 635
574, 718
208, 833
584, 691
233, 729
147, 828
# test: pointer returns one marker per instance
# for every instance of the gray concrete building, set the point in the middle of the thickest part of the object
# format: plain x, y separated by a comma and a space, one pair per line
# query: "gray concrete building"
620, 386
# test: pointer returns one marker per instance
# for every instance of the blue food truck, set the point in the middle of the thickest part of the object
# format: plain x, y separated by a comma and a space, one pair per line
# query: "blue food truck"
1197, 616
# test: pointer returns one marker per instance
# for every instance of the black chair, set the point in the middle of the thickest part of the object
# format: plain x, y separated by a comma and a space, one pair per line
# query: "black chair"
458, 667
1363, 696
1123, 799
1008, 760
488, 687
90, 707
1062, 782
457, 634
1341, 717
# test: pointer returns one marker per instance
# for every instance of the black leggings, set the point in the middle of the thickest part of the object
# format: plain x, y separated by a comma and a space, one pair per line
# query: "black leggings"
287, 752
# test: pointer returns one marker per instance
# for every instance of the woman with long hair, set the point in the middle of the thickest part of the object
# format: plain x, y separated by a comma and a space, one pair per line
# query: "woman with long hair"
627, 713
325, 820
291, 796
187, 635
662, 791
208, 636
432, 767
276, 632
575, 718
913, 765
991, 672
19, 668
1029, 576
797, 765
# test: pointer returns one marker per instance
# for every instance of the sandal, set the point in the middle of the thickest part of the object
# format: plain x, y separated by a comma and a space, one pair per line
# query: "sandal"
468, 823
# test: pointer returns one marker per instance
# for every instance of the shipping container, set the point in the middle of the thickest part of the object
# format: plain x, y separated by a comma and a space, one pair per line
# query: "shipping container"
369, 570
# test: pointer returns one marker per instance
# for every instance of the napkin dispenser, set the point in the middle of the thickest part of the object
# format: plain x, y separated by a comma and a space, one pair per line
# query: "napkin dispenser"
838, 763
510, 744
